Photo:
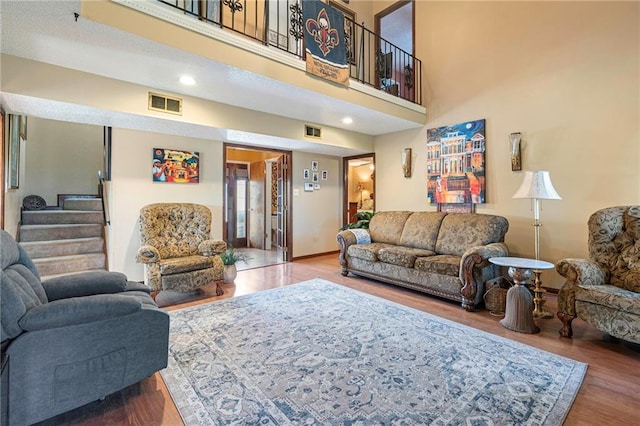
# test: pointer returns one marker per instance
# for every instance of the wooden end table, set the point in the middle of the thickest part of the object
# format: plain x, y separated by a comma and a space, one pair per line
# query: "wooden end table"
519, 310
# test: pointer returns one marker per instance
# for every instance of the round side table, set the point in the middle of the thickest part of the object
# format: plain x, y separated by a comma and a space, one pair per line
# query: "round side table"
519, 309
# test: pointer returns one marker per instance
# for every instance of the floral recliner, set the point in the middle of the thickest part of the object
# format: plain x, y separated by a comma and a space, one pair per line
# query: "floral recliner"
605, 289
175, 247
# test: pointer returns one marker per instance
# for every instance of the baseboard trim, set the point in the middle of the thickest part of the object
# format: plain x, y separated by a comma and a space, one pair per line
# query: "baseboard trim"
310, 256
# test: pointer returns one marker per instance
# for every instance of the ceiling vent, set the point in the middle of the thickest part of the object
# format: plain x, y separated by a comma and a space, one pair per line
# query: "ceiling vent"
164, 103
312, 132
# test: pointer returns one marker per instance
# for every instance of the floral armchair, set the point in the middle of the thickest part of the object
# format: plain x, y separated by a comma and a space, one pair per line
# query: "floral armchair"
604, 290
175, 247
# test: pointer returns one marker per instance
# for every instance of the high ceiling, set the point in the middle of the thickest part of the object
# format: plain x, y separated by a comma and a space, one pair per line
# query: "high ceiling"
47, 31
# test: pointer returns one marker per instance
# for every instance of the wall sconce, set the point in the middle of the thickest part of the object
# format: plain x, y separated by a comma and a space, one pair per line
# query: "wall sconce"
406, 162
516, 159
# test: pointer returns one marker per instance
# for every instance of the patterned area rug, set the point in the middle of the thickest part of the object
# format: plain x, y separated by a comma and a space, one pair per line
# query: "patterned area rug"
319, 353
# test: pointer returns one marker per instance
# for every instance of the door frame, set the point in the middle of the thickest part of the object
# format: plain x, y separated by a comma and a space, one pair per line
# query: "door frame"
345, 182
288, 206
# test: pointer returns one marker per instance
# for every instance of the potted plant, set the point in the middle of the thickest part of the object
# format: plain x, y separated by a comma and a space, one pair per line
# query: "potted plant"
362, 221
229, 259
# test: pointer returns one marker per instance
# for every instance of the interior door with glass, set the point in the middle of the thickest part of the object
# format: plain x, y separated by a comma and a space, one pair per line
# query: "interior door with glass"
283, 207
236, 204
256, 205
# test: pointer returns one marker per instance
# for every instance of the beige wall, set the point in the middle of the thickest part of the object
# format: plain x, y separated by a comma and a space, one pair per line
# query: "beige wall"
317, 215
13, 197
63, 158
566, 75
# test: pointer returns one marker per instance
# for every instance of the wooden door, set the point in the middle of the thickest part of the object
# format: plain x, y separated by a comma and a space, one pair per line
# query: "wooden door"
256, 205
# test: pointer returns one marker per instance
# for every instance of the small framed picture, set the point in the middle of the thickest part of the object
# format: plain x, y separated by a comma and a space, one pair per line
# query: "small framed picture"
314, 166
325, 175
308, 187
315, 177
305, 174
316, 186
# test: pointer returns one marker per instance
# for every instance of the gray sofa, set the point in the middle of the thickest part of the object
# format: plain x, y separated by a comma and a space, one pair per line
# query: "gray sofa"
73, 339
437, 253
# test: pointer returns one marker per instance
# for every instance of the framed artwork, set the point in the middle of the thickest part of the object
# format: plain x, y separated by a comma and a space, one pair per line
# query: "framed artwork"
173, 165
325, 175
456, 163
314, 166
316, 186
315, 177
306, 174
308, 187
13, 158
23, 127
106, 147
516, 159
349, 30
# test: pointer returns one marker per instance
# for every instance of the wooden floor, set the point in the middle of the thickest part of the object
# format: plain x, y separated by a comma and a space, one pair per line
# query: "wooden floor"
610, 393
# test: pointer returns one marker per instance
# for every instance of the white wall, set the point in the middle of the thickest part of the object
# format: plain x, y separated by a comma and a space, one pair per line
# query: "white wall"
566, 75
63, 158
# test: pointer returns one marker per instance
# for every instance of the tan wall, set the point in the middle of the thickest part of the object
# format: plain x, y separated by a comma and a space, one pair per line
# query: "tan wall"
63, 158
566, 75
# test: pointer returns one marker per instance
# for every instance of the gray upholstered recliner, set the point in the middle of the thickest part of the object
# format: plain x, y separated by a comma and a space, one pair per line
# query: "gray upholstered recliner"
72, 340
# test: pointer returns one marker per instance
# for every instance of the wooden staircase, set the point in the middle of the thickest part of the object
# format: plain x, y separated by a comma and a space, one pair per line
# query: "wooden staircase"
65, 240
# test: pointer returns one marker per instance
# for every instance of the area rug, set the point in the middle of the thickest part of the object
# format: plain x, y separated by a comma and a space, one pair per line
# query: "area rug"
317, 353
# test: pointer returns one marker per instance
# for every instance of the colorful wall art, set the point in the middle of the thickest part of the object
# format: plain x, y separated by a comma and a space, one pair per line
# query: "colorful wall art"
172, 165
456, 163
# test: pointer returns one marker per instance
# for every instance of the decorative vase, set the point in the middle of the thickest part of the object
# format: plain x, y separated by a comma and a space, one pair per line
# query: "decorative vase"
229, 273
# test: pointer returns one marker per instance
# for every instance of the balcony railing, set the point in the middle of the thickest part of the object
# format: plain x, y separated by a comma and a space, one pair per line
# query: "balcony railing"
373, 60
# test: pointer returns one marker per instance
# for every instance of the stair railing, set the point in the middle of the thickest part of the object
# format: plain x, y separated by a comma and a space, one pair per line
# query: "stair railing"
103, 197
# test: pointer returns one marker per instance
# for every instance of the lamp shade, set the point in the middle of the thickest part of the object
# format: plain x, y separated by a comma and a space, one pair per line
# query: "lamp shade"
537, 185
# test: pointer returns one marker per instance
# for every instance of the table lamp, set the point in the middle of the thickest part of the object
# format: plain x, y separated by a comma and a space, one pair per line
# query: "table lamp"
537, 186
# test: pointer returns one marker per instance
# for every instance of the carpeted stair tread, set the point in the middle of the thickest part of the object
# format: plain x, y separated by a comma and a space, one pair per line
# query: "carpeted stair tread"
68, 247
48, 277
66, 264
83, 203
59, 232
46, 217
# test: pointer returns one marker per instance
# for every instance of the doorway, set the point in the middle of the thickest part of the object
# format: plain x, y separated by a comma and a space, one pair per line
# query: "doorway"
359, 186
256, 208
395, 47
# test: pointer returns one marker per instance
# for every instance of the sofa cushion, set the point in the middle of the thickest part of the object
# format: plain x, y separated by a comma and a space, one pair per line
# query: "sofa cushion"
421, 230
402, 256
442, 264
610, 296
460, 231
185, 264
386, 227
366, 251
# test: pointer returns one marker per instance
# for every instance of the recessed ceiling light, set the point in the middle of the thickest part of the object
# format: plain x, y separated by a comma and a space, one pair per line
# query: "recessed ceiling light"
347, 120
187, 80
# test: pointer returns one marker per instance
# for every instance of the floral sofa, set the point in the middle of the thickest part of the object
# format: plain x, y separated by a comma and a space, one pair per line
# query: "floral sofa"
175, 247
437, 253
604, 290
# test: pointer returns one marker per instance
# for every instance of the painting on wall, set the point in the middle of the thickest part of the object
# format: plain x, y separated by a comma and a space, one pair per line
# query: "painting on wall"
172, 165
456, 163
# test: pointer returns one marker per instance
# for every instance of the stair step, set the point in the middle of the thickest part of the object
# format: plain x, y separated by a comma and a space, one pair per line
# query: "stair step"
88, 204
59, 232
48, 277
46, 217
40, 249
66, 264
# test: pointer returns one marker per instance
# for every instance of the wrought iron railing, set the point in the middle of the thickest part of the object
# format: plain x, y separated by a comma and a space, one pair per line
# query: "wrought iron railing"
373, 60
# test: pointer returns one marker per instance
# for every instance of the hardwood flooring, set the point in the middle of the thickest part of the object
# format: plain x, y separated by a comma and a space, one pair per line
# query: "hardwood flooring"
610, 393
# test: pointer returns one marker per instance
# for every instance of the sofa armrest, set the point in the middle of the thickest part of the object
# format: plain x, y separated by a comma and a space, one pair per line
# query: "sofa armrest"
147, 254
212, 247
583, 272
350, 237
477, 256
78, 310
84, 284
